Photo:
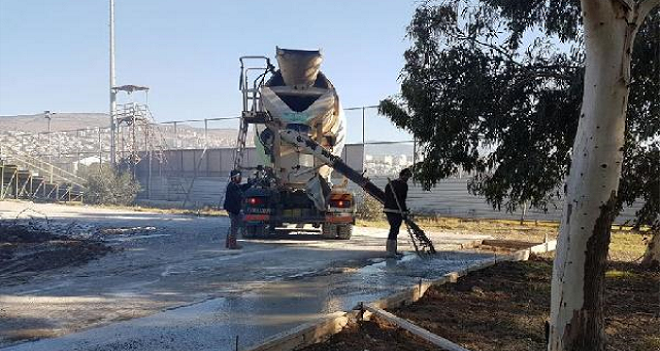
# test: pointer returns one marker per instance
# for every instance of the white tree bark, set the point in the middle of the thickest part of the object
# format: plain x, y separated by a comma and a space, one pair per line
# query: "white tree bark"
652, 255
576, 320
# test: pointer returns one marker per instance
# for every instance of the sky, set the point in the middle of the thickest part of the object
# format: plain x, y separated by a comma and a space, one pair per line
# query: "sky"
54, 54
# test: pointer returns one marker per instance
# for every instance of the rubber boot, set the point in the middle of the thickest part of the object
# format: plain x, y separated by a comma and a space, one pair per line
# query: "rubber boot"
391, 249
232, 244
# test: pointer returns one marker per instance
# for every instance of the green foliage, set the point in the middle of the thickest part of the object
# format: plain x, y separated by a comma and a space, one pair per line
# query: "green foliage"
479, 97
108, 186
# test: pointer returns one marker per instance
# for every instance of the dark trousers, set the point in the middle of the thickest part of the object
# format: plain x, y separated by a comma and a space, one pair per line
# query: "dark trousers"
395, 221
236, 224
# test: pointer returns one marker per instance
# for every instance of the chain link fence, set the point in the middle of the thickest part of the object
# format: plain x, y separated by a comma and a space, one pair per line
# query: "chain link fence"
187, 162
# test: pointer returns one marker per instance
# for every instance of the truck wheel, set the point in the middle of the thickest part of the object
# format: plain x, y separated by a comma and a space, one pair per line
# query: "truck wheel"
329, 231
271, 231
254, 231
345, 231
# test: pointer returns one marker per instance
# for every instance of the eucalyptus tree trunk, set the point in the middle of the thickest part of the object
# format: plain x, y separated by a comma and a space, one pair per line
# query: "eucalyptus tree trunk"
576, 318
652, 255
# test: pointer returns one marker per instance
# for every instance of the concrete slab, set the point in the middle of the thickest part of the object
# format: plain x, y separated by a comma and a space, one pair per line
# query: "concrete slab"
175, 287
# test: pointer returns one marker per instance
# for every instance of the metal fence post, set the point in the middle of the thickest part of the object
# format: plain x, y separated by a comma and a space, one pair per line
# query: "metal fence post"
100, 149
16, 183
414, 160
363, 126
364, 151
149, 176
206, 132
176, 136
2, 175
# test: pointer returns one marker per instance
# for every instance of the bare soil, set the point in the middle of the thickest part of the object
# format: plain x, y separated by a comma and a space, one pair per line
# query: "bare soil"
372, 336
505, 307
26, 250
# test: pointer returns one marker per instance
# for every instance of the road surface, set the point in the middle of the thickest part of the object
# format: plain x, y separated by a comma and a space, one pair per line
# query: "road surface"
171, 285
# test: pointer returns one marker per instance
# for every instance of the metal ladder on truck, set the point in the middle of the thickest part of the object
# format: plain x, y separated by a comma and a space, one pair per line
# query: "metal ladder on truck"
253, 111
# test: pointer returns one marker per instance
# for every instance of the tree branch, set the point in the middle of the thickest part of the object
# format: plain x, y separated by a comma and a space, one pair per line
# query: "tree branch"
636, 13
509, 56
628, 4
643, 9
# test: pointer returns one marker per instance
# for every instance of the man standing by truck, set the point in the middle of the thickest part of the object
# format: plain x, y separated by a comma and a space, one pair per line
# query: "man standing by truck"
395, 208
233, 203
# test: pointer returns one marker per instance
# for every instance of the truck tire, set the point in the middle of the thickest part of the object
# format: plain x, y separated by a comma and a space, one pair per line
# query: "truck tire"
254, 231
344, 231
272, 231
335, 231
329, 231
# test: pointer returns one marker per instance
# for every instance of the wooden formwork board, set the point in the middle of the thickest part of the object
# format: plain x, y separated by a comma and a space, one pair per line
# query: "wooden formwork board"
306, 334
315, 332
422, 333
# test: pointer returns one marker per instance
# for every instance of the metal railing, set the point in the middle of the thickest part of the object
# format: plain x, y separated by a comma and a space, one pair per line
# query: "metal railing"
45, 169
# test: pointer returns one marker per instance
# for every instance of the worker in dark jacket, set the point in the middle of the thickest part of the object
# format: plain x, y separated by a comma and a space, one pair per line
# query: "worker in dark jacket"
395, 208
233, 204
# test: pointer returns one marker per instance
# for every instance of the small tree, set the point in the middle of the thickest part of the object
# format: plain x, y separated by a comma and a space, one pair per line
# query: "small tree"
108, 186
369, 208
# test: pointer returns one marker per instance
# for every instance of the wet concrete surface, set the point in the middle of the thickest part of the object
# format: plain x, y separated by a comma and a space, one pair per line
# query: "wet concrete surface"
176, 288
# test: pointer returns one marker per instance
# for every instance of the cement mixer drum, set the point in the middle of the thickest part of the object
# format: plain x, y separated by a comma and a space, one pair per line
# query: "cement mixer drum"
301, 96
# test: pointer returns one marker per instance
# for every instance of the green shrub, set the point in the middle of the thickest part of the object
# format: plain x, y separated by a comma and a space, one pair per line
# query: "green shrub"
369, 208
108, 186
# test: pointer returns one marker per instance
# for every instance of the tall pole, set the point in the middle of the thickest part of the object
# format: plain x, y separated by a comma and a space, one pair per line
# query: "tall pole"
113, 94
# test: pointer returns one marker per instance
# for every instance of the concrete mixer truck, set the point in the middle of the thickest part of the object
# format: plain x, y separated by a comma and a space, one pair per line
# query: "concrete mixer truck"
299, 132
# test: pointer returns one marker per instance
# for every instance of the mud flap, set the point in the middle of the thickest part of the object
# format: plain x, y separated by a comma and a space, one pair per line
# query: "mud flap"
318, 191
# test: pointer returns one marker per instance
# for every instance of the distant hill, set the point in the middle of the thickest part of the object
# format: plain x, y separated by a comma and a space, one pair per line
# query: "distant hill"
74, 121
59, 122
186, 137
22, 133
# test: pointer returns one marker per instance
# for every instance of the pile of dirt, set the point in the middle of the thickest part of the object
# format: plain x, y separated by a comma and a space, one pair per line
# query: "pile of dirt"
372, 336
26, 250
505, 307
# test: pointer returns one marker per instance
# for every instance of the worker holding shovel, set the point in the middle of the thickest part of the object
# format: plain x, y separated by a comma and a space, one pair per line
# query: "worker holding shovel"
395, 208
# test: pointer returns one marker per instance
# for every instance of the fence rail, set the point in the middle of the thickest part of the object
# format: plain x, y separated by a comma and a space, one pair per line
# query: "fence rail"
47, 170
374, 145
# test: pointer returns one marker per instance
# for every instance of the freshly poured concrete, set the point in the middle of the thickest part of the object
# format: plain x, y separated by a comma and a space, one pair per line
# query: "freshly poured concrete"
176, 288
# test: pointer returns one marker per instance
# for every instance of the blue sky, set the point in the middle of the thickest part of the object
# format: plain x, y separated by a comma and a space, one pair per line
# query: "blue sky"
54, 54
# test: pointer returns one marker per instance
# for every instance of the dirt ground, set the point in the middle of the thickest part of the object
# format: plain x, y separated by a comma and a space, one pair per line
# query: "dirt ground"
26, 250
505, 308
372, 336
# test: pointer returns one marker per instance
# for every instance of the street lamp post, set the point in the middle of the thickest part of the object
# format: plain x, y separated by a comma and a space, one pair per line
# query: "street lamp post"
113, 94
